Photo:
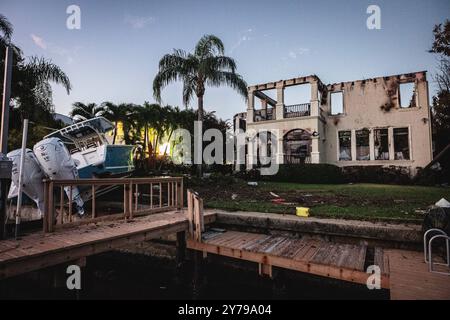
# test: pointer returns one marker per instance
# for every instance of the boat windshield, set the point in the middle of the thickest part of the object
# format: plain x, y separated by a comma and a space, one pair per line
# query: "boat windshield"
84, 135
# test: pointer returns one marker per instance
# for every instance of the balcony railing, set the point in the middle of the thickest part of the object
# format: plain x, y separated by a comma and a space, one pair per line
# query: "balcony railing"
297, 110
264, 115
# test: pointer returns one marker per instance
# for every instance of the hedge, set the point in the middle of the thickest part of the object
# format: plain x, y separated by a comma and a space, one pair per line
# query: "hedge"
308, 173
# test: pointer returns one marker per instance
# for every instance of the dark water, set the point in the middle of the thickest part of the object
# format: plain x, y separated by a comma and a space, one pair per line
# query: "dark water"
130, 276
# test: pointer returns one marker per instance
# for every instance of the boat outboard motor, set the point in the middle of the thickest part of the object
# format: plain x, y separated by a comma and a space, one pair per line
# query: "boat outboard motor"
33, 175
57, 163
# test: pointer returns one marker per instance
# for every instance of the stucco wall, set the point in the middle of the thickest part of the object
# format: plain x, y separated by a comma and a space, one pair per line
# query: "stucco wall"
368, 104
362, 109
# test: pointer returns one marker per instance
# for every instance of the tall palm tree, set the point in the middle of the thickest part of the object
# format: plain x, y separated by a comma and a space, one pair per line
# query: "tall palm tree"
81, 111
206, 66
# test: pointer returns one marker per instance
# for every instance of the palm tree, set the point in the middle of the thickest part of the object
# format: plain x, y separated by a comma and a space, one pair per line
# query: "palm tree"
117, 113
81, 111
30, 87
206, 66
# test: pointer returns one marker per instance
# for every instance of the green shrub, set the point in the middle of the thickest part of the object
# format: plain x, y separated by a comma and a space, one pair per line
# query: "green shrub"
377, 174
307, 173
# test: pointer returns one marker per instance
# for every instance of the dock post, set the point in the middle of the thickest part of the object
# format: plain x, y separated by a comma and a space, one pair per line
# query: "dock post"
180, 258
181, 249
198, 276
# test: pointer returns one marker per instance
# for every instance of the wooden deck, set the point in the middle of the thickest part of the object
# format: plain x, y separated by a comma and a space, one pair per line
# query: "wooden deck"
38, 250
403, 272
332, 260
410, 279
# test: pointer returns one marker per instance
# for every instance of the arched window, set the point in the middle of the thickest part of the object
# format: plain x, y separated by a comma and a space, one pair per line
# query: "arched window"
297, 147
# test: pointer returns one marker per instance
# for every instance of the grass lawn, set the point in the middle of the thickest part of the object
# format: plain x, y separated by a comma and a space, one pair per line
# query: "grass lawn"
349, 201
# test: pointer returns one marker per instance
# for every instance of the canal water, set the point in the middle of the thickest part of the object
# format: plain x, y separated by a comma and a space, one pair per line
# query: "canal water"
119, 275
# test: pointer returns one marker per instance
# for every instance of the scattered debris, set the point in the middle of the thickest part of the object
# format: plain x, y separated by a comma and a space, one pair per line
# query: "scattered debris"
234, 196
443, 203
274, 195
252, 184
302, 212
278, 201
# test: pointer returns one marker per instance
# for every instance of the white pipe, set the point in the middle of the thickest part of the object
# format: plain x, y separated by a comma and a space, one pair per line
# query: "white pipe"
22, 163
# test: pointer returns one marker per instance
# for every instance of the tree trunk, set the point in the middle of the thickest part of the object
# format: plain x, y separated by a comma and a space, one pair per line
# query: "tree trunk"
200, 118
115, 133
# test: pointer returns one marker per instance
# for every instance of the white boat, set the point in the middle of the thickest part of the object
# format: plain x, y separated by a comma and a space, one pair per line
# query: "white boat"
81, 150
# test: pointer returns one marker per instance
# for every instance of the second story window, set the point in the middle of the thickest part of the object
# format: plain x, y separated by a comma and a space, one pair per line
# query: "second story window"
407, 95
337, 103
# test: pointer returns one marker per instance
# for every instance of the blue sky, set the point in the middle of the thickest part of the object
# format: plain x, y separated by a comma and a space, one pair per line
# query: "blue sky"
114, 56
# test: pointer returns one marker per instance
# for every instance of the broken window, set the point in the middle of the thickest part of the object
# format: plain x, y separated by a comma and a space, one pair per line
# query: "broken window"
362, 144
337, 103
401, 143
345, 145
381, 144
407, 95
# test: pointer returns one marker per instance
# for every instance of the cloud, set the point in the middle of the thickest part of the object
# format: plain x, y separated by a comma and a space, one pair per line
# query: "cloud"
53, 48
138, 22
40, 42
294, 54
244, 36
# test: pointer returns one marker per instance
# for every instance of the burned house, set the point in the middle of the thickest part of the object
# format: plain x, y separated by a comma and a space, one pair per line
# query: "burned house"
379, 121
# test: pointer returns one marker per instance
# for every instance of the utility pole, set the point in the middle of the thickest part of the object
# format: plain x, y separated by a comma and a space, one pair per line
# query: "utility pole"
5, 163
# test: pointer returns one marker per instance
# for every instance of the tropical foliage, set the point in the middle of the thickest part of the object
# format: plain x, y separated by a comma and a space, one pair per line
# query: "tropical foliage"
441, 102
31, 92
150, 125
206, 66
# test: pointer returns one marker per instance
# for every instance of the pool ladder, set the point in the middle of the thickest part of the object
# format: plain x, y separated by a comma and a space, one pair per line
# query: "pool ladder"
428, 253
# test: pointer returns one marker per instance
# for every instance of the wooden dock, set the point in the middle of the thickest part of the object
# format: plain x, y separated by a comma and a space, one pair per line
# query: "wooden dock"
40, 250
402, 272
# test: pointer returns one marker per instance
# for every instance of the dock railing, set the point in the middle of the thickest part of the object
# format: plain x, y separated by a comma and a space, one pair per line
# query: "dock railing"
141, 196
195, 216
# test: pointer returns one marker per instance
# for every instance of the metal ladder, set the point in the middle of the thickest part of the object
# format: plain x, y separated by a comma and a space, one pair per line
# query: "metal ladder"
428, 253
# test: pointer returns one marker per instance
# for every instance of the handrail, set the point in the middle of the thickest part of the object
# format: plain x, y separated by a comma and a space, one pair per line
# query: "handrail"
425, 245
430, 258
141, 196
297, 110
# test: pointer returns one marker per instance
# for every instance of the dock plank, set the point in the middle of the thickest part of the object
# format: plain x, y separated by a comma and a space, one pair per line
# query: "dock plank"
411, 280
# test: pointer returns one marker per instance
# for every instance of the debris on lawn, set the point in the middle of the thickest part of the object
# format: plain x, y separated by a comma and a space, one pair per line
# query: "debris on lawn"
278, 201
443, 203
252, 184
234, 196
302, 212
274, 195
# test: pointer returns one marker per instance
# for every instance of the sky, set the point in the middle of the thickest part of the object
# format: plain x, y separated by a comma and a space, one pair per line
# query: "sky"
114, 56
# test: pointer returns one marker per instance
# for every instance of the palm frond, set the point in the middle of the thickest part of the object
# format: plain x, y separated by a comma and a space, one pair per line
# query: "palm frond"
231, 79
44, 70
209, 45
6, 28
